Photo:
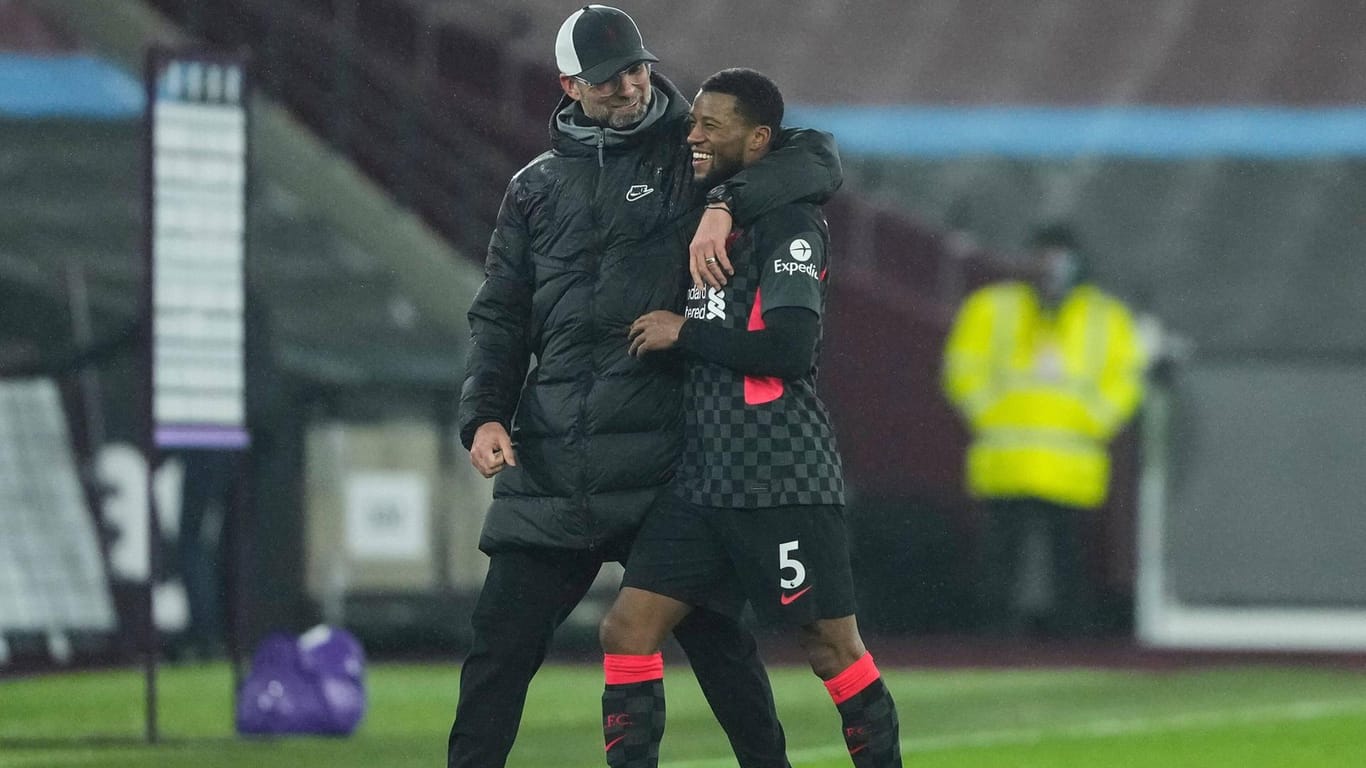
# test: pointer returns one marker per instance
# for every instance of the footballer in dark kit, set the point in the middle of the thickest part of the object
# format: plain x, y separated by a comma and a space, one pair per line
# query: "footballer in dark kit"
757, 506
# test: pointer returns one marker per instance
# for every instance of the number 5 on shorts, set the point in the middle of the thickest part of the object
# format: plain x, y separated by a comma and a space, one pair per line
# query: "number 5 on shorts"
785, 561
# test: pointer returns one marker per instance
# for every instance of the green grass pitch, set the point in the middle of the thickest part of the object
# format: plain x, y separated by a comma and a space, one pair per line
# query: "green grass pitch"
1231, 717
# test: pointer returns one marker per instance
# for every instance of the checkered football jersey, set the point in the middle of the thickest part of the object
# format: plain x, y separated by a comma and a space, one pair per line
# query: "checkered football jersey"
750, 441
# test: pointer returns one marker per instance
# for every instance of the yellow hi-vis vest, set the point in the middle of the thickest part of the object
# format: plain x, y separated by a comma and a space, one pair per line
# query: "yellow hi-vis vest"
1043, 392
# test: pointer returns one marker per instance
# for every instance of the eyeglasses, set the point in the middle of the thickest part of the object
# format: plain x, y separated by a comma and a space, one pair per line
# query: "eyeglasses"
636, 73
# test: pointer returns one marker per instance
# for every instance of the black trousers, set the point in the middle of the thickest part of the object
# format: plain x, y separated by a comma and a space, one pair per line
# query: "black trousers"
1009, 525
526, 596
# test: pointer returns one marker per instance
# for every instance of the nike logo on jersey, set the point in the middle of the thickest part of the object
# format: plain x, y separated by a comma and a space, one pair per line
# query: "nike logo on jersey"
786, 599
612, 743
638, 191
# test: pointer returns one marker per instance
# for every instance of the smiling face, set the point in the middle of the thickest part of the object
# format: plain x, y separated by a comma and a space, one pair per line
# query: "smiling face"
619, 102
722, 140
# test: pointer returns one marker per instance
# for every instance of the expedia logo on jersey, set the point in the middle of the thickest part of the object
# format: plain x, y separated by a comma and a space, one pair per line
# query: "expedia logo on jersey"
787, 267
799, 250
705, 304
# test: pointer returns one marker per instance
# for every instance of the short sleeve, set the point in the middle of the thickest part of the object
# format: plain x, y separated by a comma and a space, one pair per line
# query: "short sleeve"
794, 259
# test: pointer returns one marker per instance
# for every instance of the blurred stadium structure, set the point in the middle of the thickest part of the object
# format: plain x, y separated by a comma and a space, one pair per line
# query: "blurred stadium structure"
384, 137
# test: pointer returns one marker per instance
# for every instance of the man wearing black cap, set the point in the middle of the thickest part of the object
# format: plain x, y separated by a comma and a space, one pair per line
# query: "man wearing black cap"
590, 236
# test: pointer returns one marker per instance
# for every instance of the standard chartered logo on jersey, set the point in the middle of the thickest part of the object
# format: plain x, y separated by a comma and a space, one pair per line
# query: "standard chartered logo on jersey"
715, 308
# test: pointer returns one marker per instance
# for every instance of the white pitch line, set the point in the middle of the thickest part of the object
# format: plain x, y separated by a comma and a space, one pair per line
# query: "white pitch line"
44, 759
1095, 729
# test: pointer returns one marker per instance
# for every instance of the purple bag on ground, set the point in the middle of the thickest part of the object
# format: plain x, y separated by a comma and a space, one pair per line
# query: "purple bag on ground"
312, 684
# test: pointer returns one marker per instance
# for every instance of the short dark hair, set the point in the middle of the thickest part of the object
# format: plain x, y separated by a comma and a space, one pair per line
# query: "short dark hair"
757, 98
1054, 234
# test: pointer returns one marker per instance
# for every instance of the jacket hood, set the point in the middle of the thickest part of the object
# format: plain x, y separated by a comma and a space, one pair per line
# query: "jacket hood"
569, 135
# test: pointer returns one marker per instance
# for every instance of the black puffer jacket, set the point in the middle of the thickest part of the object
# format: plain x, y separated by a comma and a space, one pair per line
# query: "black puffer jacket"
590, 236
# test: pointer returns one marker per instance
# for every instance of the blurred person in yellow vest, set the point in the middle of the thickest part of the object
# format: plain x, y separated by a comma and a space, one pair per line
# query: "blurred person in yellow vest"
1045, 370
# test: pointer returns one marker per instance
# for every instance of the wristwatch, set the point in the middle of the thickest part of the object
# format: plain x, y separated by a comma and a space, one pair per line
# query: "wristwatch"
721, 194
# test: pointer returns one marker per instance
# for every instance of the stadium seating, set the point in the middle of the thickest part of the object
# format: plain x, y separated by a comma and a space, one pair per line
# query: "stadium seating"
440, 102
337, 315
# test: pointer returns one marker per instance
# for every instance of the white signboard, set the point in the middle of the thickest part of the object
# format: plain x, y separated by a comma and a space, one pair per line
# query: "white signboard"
197, 238
386, 516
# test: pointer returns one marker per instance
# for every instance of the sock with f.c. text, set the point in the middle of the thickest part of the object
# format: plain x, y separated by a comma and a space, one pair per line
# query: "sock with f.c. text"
633, 709
871, 731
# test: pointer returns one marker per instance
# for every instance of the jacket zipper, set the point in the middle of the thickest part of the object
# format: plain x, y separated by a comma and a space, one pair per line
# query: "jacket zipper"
590, 520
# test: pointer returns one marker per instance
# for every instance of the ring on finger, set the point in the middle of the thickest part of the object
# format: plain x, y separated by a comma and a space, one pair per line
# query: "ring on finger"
711, 259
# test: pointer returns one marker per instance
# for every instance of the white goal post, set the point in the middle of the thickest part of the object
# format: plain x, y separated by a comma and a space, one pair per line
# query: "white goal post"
1252, 508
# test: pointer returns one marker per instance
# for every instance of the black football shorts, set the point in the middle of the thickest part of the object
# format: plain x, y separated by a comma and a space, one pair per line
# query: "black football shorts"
792, 563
